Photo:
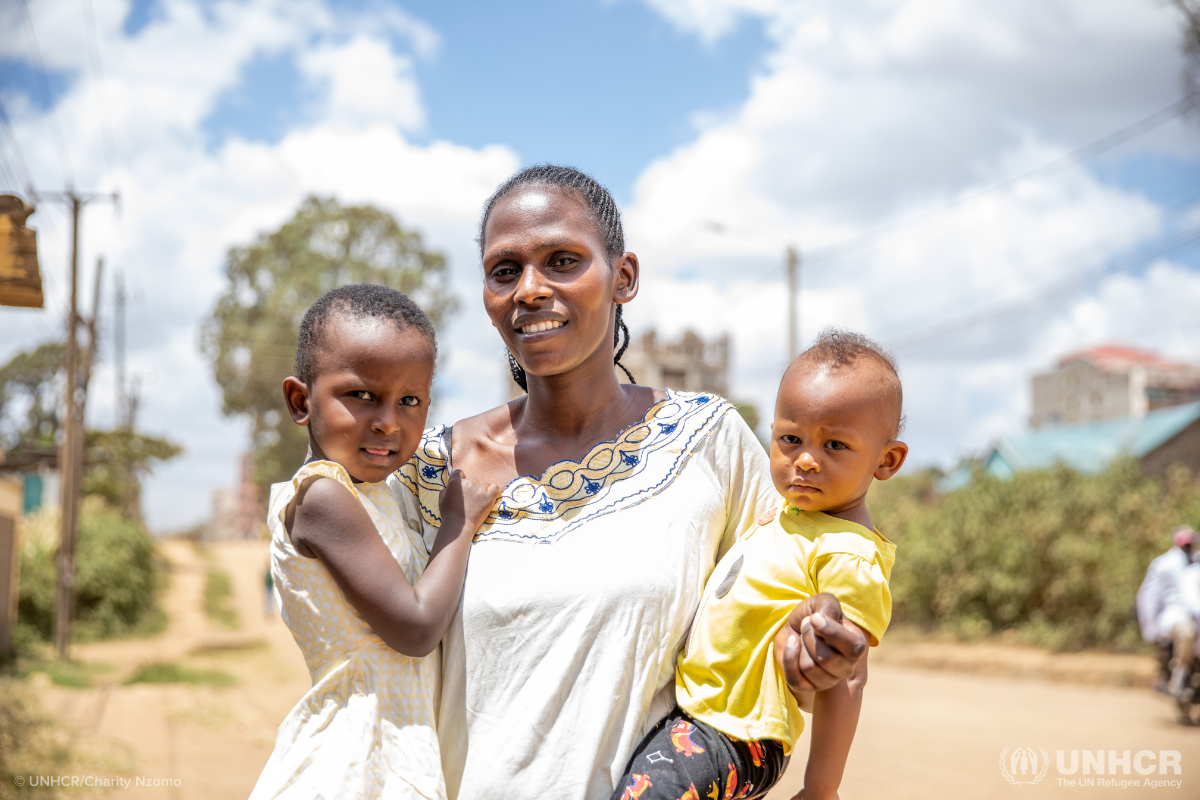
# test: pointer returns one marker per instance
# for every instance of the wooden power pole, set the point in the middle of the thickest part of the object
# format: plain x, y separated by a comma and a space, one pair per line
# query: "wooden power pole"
70, 454
793, 276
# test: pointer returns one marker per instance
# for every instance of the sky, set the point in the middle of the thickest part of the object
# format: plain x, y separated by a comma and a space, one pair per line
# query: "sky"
948, 171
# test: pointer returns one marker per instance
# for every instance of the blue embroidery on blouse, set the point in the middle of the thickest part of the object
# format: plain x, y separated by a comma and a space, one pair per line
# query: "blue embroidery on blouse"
569, 493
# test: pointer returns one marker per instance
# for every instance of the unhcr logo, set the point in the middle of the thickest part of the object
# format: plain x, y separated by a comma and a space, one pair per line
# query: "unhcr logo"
1024, 766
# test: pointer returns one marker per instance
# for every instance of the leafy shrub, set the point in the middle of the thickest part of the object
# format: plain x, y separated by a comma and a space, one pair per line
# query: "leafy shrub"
116, 577
1054, 555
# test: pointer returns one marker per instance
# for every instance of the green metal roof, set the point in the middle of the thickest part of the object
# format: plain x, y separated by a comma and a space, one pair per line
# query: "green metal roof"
1092, 446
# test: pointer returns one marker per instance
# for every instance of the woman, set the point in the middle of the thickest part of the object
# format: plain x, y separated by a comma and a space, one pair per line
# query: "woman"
618, 501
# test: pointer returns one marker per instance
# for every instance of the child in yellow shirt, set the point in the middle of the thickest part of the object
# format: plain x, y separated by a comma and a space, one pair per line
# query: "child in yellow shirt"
837, 416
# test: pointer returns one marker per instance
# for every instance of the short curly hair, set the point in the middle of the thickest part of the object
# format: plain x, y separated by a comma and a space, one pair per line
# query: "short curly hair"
837, 348
356, 301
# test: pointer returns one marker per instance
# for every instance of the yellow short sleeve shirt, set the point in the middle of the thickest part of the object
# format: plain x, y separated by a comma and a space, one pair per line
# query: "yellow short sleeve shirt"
726, 674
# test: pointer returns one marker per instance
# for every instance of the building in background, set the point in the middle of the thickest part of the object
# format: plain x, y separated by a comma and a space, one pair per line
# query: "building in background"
1158, 440
687, 364
1111, 382
1101, 404
237, 512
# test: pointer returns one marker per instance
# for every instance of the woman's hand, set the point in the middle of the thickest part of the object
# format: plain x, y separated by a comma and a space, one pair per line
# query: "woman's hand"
815, 648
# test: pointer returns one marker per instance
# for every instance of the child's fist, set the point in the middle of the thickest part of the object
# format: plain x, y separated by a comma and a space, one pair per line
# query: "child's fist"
469, 500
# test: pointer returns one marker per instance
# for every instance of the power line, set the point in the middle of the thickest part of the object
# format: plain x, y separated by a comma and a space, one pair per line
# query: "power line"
110, 150
1052, 168
44, 84
26, 176
1047, 292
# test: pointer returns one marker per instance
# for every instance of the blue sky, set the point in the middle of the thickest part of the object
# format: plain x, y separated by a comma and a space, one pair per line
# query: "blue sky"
806, 123
501, 73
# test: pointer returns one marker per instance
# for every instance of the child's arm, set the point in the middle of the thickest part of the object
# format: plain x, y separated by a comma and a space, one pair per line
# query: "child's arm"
329, 523
835, 718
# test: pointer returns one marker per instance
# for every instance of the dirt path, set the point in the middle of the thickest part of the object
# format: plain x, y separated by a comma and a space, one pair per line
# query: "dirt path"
924, 733
212, 742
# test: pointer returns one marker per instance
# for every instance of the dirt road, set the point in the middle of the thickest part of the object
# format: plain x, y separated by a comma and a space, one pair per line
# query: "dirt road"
924, 733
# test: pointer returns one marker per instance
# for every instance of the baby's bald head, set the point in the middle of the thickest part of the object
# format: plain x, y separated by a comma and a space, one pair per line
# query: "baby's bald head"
836, 351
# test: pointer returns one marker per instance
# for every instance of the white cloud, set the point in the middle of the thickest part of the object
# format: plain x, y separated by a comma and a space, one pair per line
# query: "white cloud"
184, 205
863, 114
868, 113
366, 83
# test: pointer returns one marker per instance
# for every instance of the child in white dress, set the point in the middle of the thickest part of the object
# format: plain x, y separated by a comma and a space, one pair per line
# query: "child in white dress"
363, 598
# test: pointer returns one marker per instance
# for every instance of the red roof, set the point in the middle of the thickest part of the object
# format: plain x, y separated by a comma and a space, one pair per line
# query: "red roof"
1118, 357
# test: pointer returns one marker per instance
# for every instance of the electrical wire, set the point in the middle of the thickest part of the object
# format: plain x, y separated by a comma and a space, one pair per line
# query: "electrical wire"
1046, 293
26, 176
1075, 158
64, 161
1050, 169
110, 150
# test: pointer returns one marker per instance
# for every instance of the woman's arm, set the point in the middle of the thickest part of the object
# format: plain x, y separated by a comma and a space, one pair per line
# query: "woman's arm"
329, 523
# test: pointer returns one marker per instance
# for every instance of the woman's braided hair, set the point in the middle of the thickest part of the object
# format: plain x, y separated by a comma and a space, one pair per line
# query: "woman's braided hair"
604, 213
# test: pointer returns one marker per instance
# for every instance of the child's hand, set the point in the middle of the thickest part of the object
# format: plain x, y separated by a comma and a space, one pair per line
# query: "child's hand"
815, 649
467, 501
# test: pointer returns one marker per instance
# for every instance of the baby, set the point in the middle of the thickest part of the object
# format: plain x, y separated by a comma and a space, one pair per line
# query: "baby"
837, 417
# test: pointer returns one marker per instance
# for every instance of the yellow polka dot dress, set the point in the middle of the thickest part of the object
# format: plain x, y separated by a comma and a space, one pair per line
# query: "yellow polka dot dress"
367, 727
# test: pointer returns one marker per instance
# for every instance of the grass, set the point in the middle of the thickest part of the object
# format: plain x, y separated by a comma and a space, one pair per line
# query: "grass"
218, 595
167, 672
71, 674
229, 648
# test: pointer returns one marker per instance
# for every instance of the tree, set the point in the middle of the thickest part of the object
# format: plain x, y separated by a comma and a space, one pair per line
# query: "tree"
29, 399
251, 336
115, 462
1190, 9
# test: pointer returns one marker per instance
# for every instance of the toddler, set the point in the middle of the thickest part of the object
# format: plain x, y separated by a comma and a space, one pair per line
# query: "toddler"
837, 417
363, 598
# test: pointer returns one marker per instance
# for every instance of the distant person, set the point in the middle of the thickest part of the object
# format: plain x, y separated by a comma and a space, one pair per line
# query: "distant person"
1189, 595
365, 601
268, 593
837, 419
1163, 617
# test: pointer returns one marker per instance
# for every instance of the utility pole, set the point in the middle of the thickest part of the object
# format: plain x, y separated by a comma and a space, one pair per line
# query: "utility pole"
70, 454
793, 276
119, 348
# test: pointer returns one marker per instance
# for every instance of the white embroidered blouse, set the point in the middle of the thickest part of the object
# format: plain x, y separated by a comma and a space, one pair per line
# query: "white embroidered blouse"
580, 592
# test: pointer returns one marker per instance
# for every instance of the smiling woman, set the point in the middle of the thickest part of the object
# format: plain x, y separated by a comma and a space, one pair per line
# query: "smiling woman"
618, 499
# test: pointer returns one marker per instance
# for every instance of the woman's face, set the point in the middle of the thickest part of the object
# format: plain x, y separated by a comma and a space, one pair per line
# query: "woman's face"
548, 286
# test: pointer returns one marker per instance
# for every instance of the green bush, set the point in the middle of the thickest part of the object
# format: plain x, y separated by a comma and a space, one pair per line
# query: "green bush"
116, 577
1054, 555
